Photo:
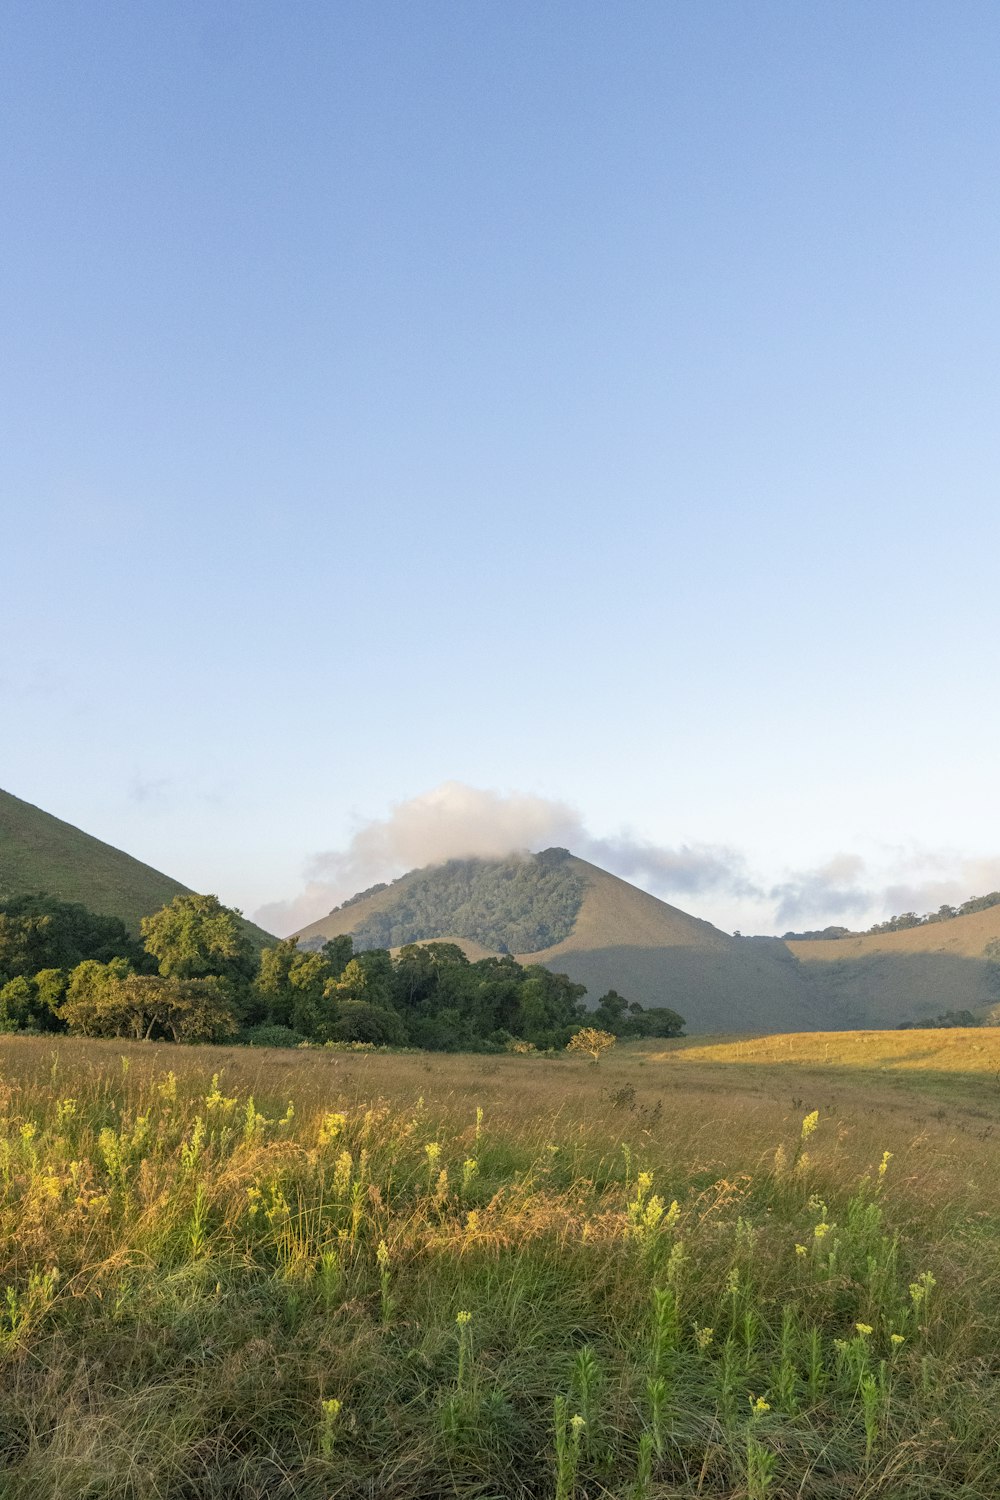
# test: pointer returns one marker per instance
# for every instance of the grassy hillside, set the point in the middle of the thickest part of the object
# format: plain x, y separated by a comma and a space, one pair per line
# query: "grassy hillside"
625, 939
748, 1271
655, 953
41, 853
881, 979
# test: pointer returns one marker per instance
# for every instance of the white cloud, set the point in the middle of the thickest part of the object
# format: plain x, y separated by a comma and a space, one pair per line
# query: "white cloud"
830, 892
854, 892
456, 821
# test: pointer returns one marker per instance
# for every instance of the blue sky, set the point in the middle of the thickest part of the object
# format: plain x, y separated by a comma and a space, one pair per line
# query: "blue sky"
592, 407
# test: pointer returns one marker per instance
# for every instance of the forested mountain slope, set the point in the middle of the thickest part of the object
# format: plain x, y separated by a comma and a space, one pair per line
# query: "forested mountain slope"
598, 929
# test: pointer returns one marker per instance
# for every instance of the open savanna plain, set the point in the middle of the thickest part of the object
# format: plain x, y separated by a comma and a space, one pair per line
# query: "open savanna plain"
747, 1268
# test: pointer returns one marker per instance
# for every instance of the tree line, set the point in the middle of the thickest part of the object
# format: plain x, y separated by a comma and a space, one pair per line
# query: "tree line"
902, 922
196, 976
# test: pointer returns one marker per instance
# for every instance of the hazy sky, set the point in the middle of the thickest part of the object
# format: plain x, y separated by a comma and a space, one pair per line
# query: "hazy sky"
594, 403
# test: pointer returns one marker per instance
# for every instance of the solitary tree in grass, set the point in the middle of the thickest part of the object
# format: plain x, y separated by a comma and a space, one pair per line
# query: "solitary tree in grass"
592, 1042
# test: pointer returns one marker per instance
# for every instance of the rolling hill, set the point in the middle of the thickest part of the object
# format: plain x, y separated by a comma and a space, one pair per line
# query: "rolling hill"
598, 929
883, 978
41, 853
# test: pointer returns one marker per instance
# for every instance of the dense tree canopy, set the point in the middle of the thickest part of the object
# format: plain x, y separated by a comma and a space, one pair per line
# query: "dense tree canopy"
196, 936
110, 1000
41, 932
510, 905
198, 980
615, 1014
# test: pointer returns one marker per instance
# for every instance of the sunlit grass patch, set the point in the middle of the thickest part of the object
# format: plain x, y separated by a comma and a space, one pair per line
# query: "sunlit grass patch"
958, 1049
233, 1275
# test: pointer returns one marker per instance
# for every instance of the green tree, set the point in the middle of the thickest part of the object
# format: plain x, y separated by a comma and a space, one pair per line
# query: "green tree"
110, 1000
548, 1007
93, 1003
271, 997
41, 932
308, 976
418, 971
187, 1010
50, 987
624, 1019
338, 952
17, 1004
32, 1004
612, 1012
289, 988
658, 1020
591, 1042
196, 936
357, 1021
368, 977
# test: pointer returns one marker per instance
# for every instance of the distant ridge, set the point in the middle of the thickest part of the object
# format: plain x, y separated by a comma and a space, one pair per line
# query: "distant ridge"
884, 978
619, 937
39, 852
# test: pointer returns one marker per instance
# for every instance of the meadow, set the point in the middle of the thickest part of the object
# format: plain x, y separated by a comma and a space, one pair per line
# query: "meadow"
744, 1268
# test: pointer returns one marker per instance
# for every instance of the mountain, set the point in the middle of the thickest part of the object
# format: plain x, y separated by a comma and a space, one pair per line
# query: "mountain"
41, 853
575, 918
883, 978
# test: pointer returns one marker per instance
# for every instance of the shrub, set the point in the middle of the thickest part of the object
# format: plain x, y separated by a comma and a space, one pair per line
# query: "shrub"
358, 1021
270, 1036
591, 1042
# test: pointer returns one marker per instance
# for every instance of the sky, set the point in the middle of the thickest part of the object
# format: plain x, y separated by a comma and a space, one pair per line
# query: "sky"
431, 429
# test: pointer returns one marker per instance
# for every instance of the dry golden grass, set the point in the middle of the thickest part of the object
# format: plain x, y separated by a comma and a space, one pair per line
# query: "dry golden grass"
971, 1050
214, 1296
964, 937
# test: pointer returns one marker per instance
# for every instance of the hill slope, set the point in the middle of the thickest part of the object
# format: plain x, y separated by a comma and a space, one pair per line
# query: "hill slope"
883, 978
617, 937
41, 853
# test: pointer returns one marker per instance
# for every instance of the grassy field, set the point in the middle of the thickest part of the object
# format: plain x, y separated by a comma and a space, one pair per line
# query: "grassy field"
965, 1061
754, 1269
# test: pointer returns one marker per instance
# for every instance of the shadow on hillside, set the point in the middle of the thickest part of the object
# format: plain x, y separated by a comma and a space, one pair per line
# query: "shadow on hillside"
883, 989
755, 985
750, 985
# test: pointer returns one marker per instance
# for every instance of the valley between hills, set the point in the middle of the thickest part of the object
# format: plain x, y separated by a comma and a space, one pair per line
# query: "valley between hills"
573, 917
736, 1267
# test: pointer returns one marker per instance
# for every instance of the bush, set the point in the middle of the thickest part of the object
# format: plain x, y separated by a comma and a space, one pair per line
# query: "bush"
591, 1042
359, 1021
270, 1036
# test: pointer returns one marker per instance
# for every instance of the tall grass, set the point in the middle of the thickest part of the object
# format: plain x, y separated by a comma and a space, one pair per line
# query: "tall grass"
236, 1275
